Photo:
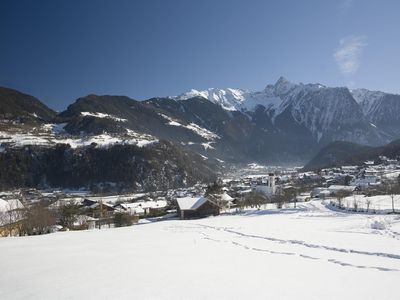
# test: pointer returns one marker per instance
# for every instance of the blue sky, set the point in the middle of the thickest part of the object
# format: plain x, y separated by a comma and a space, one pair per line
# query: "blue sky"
61, 50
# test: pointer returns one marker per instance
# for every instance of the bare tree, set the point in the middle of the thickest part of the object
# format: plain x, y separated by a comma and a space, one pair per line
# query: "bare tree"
340, 195
256, 199
3, 223
368, 203
393, 195
291, 195
355, 203
282, 197
11, 214
241, 203
38, 219
393, 190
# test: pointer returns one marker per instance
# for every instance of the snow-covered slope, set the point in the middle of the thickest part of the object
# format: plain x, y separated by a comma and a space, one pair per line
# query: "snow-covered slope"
304, 253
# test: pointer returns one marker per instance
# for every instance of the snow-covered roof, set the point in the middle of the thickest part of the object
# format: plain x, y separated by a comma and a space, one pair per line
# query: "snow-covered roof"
325, 192
94, 205
226, 197
145, 204
8, 205
66, 201
190, 203
341, 187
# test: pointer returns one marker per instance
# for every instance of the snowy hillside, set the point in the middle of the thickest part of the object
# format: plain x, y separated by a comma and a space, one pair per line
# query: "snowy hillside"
304, 253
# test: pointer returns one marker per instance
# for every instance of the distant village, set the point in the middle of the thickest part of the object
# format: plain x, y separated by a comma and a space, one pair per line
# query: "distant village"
369, 188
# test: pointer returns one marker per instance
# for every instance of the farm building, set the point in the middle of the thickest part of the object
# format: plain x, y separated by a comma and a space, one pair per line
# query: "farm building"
196, 207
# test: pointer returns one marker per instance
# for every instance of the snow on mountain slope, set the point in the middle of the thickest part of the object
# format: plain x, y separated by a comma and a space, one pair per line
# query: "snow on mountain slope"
102, 115
327, 109
367, 99
381, 109
239, 99
273, 96
204, 133
229, 99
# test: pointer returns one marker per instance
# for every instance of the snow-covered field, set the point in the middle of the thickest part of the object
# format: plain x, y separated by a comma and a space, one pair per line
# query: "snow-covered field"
375, 204
305, 253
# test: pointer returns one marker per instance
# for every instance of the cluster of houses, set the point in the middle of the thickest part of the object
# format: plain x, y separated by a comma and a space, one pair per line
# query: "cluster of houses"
357, 179
188, 203
93, 211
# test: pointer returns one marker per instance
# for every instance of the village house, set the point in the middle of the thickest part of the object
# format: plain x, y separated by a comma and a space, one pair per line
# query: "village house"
97, 208
196, 207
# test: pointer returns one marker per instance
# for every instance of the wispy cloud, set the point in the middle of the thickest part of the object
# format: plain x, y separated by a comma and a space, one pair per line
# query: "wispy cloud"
345, 6
348, 54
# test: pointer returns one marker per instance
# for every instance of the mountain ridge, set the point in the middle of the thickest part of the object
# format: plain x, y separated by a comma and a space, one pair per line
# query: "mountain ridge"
284, 123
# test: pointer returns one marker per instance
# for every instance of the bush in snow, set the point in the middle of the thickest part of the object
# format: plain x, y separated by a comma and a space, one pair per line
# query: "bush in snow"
122, 219
378, 225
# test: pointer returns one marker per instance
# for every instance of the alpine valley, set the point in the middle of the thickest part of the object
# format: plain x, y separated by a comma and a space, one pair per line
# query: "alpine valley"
181, 140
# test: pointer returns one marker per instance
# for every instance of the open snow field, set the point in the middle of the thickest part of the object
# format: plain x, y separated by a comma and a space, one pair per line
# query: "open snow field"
307, 253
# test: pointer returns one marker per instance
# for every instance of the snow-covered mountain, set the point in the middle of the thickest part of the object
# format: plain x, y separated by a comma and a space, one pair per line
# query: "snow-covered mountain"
272, 97
381, 109
328, 114
234, 99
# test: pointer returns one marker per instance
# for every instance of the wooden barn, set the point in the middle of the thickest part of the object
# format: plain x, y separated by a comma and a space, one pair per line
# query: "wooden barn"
196, 207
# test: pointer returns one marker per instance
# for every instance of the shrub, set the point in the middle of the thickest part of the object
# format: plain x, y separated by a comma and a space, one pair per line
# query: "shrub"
122, 219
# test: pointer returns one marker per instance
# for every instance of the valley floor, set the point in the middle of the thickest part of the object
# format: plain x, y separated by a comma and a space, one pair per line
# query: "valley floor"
306, 253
